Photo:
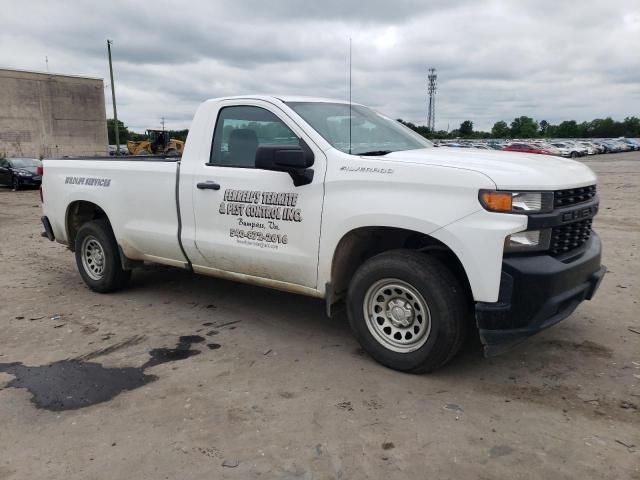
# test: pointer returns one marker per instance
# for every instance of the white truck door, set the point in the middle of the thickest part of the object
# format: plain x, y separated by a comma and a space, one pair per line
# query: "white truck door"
251, 221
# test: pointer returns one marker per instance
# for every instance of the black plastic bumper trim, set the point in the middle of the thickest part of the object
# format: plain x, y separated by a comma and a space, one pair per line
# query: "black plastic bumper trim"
537, 292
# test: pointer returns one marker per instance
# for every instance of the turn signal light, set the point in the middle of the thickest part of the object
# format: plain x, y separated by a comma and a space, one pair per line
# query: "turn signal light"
524, 202
496, 201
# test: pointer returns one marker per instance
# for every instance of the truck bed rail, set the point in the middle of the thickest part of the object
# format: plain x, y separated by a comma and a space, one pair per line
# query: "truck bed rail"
123, 158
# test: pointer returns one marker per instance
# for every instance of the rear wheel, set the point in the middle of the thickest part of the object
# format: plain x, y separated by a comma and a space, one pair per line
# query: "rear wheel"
407, 310
98, 257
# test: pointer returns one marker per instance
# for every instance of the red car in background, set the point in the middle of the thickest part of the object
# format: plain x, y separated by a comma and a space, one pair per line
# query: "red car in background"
525, 148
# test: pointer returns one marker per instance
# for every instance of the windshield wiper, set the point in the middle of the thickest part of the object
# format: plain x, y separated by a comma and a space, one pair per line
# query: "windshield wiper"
375, 153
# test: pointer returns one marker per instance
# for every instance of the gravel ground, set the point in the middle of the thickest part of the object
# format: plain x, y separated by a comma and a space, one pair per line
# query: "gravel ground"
262, 385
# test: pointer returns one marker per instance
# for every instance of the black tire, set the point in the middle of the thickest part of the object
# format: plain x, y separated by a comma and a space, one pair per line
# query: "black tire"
574, 154
103, 273
446, 300
15, 183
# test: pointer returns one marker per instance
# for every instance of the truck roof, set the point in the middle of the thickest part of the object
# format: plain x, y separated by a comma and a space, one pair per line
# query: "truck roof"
283, 98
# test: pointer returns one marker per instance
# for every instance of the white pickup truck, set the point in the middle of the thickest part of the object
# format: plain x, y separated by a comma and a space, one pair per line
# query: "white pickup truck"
333, 200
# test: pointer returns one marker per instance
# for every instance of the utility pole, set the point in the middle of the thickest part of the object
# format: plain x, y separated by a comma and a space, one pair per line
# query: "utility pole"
162, 119
350, 107
113, 96
431, 89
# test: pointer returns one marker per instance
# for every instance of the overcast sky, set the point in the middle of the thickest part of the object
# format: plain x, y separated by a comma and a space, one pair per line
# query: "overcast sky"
496, 59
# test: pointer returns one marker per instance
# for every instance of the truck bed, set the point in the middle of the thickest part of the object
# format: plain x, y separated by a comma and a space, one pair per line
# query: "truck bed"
137, 194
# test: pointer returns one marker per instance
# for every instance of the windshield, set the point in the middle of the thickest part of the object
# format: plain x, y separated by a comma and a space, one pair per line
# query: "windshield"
370, 132
25, 162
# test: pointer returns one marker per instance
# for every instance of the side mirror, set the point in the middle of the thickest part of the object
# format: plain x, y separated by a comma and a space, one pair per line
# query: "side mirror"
293, 159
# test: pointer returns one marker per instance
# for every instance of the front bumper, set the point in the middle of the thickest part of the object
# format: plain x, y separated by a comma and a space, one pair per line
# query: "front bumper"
537, 292
30, 181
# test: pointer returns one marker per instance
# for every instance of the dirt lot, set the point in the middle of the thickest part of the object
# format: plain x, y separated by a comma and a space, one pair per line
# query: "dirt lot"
279, 391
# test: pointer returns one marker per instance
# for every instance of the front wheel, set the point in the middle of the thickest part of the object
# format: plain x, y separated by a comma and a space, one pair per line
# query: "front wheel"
407, 310
98, 257
15, 183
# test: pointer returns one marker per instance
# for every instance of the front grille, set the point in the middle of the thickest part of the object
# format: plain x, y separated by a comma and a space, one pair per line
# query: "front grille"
573, 196
570, 236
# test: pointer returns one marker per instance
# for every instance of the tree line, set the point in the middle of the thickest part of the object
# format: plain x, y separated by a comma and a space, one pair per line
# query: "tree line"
124, 134
527, 127
520, 127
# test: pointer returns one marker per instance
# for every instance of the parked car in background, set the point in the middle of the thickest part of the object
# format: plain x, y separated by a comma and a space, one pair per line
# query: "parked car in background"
614, 147
631, 143
123, 150
550, 149
565, 150
569, 148
524, 148
599, 148
20, 172
581, 149
591, 149
624, 146
602, 144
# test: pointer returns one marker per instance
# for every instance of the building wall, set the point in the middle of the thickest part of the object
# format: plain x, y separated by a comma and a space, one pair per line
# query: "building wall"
51, 115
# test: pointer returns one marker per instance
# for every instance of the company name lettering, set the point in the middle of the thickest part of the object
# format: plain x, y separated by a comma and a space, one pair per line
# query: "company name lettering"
89, 181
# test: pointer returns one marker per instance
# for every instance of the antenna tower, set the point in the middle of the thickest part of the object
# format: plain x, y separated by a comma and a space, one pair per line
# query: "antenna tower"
431, 89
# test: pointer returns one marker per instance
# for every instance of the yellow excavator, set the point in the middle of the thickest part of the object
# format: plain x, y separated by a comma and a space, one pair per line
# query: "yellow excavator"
159, 143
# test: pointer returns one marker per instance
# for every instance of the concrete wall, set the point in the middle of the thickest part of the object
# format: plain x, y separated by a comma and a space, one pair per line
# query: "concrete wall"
51, 115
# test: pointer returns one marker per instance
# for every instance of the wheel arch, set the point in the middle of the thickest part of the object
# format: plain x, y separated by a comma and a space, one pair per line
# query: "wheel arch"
360, 244
78, 213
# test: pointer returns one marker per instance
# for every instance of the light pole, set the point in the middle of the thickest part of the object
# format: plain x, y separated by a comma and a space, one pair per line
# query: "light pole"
113, 96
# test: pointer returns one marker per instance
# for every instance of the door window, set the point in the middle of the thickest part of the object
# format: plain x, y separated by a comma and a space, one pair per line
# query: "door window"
241, 130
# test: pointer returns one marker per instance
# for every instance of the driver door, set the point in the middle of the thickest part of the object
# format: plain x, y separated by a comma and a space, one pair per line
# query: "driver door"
252, 221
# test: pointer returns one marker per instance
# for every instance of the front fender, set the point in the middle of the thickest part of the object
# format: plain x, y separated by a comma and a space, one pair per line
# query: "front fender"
419, 198
478, 242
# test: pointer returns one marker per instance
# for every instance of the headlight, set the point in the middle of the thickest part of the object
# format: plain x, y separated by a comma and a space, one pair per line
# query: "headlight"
24, 173
528, 241
516, 202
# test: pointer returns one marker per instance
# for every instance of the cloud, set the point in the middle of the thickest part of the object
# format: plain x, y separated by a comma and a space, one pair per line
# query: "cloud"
496, 59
